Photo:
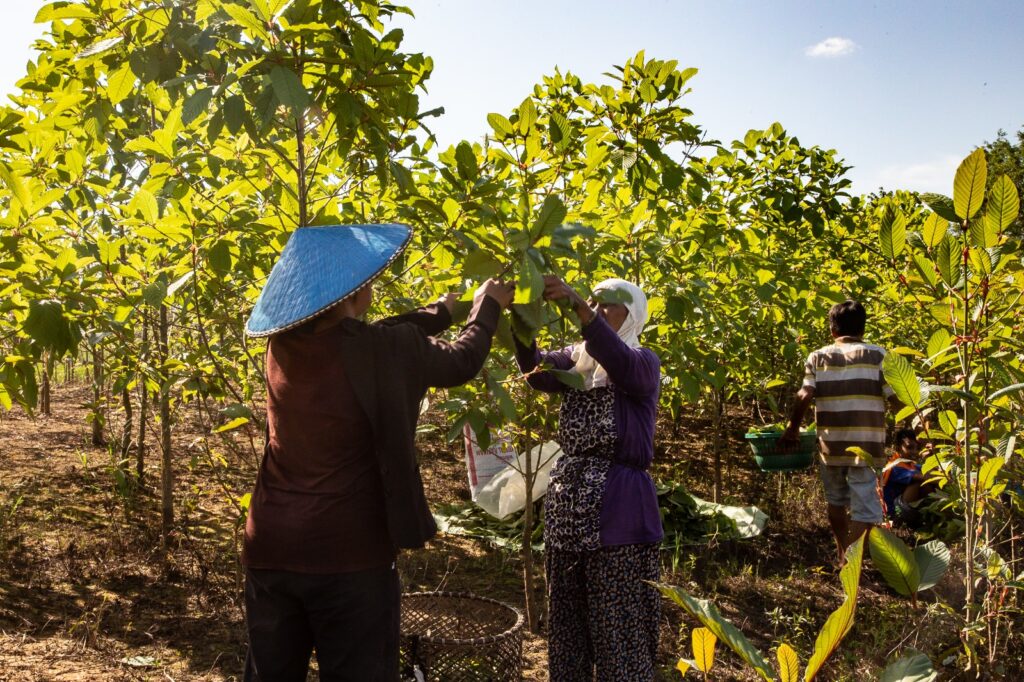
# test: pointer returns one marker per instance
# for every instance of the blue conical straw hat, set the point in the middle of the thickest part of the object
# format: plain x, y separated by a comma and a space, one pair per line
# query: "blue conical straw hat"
319, 267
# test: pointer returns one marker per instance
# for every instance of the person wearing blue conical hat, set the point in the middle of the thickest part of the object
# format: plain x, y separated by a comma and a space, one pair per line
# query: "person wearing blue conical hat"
339, 491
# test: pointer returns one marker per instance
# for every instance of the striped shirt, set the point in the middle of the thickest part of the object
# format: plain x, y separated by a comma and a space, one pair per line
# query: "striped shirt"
849, 399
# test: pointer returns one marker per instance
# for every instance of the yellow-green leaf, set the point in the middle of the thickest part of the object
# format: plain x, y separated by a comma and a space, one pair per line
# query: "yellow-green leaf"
704, 641
16, 186
1003, 203
969, 184
894, 561
120, 83
231, 425
789, 664
934, 230
841, 620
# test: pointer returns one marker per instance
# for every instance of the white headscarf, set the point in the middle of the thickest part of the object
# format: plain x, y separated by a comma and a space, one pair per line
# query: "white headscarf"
593, 373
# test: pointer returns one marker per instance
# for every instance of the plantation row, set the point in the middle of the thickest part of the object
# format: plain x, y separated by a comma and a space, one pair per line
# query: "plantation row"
158, 157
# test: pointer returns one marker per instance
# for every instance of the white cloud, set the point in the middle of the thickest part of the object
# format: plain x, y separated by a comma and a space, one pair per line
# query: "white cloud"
928, 176
832, 47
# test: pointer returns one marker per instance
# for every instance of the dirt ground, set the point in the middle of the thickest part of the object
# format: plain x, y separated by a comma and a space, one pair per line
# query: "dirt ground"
87, 593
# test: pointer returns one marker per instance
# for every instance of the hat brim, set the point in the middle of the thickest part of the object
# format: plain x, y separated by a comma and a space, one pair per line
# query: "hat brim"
319, 268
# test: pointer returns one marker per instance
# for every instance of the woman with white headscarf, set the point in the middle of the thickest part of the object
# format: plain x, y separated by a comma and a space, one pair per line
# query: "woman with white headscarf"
601, 525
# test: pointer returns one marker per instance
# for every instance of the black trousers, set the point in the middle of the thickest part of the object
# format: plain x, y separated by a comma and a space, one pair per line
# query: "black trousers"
350, 619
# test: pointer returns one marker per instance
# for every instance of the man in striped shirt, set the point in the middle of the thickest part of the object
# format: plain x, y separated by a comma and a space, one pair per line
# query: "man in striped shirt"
846, 383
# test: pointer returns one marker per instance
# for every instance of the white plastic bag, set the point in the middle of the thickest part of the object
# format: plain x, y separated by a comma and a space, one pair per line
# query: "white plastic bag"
483, 465
505, 493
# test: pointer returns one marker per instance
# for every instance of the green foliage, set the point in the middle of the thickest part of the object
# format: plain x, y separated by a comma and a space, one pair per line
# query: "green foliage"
911, 668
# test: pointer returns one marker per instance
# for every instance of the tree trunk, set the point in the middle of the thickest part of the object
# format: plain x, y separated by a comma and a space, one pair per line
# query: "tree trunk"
98, 416
44, 392
529, 585
140, 445
126, 437
716, 445
166, 472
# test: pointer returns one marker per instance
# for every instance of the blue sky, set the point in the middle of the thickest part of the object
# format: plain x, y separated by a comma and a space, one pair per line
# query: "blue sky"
903, 91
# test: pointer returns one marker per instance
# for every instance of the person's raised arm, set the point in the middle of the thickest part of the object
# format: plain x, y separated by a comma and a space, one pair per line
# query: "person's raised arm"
432, 318
451, 364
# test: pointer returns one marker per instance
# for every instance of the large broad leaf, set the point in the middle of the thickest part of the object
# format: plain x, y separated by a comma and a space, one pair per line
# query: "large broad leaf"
894, 561
1003, 203
465, 161
839, 623
530, 285
196, 104
16, 186
984, 231
502, 126
947, 258
1006, 390
704, 649
969, 184
288, 88
47, 326
789, 664
893, 233
987, 475
901, 378
914, 668
552, 214
709, 616
932, 561
941, 204
569, 378
934, 230
527, 115
938, 343
120, 83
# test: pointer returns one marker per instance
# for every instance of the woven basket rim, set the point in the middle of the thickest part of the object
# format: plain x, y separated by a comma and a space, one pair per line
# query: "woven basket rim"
515, 629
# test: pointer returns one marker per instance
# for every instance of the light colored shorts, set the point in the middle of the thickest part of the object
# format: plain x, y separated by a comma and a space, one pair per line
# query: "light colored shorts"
853, 487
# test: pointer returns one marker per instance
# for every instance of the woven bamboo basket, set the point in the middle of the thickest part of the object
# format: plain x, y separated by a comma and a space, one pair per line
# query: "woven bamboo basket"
459, 637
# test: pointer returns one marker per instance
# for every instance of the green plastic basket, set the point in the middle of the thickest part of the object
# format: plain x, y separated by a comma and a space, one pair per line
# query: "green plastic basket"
770, 457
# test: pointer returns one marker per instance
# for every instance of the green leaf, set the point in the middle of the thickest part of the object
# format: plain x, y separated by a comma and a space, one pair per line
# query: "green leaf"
947, 258
703, 642
901, 378
479, 265
569, 378
789, 664
552, 214
969, 184
219, 257
934, 230
155, 293
893, 233
987, 475
530, 285
246, 19
709, 616
120, 83
1006, 390
841, 620
913, 668
144, 204
195, 105
288, 88
465, 160
232, 425
942, 205
63, 10
984, 231
938, 343
502, 126
527, 115
234, 113
1003, 203
932, 561
16, 186
894, 561
47, 326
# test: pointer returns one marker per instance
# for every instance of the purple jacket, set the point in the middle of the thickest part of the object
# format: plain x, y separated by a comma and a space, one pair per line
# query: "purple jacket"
629, 510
